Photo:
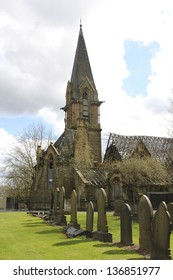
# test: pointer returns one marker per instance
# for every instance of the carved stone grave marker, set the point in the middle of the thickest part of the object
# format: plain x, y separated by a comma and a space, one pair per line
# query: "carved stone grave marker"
102, 229
145, 214
161, 234
126, 225
90, 217
73, 221
59, 216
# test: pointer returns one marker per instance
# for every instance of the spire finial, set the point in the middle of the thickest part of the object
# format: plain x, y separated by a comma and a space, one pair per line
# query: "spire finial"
80, 23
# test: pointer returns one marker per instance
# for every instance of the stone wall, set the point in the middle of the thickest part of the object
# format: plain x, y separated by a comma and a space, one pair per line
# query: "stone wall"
94, 136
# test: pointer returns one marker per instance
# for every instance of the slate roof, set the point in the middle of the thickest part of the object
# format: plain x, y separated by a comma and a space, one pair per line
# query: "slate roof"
81, 66
65, 144
93, 176
122, 147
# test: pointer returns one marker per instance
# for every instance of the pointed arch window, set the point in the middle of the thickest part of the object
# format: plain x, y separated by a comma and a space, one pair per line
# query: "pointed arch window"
50, 171
85, 105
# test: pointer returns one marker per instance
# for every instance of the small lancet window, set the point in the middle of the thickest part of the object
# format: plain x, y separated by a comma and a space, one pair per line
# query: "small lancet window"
50, 171
51, 162
85, 105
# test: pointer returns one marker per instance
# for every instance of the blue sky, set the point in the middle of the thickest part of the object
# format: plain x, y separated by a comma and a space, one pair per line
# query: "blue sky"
130, 52
15, 125
138, 60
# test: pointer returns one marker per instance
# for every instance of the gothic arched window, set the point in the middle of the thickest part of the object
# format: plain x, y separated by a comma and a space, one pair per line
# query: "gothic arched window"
85, 105
50, 171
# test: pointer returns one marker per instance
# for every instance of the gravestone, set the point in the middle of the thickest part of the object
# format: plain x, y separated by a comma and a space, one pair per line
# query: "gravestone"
102, 233
59, 217
55, 204
126, 225
161, 234
73, 220
56, 199
61, 200
72, 232
145, 215
49, 217
117, 206
90, 217
170, 210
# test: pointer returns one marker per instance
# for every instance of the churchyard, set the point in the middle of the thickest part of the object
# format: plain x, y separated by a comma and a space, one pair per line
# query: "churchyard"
27, 237
88, 235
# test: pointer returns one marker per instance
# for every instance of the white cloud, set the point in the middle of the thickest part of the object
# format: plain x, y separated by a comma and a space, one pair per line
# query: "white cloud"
144, 21
39, 38
55, 119
7, 141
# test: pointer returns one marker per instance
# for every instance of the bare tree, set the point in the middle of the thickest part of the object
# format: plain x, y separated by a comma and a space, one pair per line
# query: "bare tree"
19, 166
170, 116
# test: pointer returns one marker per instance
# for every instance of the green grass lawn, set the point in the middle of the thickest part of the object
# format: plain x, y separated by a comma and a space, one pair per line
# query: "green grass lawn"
24, 237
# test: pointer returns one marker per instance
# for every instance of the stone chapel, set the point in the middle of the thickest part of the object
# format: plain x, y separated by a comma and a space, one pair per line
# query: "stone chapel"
72, 159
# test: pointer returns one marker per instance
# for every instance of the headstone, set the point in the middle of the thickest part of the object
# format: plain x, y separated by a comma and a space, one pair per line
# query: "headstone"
161, 234
145, 215
73, 220
126, 225
69, 230
49, 218
59, 217
56, 199
61, 200
170, 210
102, 233
73, 232
90, 217
55, 204
117, 206
80, 232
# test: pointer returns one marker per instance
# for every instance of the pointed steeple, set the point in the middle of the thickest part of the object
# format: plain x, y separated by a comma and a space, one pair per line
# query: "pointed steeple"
81, 66
82, 109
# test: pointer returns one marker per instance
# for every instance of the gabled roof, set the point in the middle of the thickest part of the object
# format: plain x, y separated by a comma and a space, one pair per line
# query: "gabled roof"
65, 144
81, 66
123, 147
92, 176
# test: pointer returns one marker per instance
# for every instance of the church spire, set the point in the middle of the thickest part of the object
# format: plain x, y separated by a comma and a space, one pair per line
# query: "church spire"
80, 23
81, 66
82, 109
